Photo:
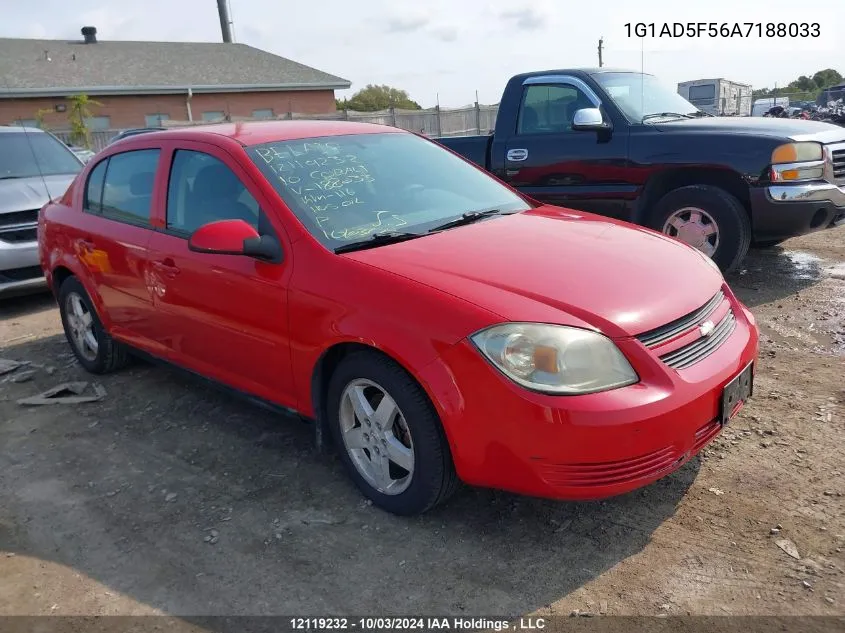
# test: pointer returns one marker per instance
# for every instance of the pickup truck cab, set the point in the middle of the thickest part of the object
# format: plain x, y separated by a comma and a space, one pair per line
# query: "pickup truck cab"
621, 144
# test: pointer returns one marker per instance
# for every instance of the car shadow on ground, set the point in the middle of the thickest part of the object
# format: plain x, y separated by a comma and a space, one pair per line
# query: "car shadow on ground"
767, 275
17, 307
196, 503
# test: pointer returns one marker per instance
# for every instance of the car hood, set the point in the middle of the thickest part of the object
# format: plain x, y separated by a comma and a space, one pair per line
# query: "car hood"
24, 194
790, 129
558, 266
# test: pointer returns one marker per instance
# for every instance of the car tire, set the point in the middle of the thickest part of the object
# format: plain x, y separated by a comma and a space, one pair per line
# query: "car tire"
715, 207
95, 350
412, 435
767, 243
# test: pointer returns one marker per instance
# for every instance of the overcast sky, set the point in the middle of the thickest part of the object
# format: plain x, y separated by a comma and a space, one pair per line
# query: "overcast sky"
455, 47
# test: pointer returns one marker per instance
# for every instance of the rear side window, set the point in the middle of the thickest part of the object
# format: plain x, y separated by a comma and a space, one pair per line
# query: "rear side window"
94, 189
128, 186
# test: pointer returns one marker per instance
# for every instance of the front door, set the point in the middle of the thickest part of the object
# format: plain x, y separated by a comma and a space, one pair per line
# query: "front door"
224, 316
549, 161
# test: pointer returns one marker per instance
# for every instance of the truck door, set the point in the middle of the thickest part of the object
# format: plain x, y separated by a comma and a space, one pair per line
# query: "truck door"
548, 160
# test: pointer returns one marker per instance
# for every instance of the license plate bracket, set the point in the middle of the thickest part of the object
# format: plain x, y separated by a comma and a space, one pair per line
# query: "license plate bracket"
735, 393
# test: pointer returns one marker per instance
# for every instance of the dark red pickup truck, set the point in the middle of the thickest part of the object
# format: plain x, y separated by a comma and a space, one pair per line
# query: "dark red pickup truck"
620, 144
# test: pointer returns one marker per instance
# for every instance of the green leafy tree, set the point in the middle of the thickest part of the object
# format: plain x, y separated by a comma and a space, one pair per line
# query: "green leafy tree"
804, 87
39, 117
78, 114
374, 98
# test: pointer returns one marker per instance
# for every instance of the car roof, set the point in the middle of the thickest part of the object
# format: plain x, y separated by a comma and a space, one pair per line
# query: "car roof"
257, 132
10, 129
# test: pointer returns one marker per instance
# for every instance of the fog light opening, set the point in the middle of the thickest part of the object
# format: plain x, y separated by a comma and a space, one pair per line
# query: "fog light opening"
818, 219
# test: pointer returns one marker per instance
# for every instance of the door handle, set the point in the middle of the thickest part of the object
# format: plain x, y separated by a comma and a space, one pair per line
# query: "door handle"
517, 155
168, 268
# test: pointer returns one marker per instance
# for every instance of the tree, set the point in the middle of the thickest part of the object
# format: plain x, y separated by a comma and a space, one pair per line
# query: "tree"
78, 115
374, 98
39, 117
804, 87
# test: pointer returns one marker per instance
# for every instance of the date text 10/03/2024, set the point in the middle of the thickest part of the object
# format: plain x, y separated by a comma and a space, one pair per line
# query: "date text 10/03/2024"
749, 30
417, 624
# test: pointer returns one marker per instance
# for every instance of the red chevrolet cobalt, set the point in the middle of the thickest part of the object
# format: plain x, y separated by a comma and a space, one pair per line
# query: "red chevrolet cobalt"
438, 325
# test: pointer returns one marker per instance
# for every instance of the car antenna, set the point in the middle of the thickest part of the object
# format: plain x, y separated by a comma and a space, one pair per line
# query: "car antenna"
31, 146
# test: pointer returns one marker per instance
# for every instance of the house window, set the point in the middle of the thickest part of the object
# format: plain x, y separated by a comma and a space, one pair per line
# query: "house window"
155, 120
266, 113
98, 123
213, 116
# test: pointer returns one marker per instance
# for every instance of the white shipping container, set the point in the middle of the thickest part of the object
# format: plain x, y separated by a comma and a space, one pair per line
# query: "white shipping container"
720, 97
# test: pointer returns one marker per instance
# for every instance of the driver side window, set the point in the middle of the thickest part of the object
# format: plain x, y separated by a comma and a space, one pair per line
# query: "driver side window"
203, 189
550, 109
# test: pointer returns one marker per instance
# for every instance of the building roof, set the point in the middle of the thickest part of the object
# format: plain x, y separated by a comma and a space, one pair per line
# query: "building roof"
49, 68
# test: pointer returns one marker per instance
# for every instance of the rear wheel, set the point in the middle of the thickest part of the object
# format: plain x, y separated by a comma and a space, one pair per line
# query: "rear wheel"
95, 350
707, 218
389, 436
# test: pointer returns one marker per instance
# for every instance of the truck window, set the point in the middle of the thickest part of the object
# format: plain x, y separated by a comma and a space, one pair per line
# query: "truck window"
550, 109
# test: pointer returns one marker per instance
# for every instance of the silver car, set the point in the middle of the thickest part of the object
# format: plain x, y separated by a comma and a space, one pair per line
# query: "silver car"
35, 167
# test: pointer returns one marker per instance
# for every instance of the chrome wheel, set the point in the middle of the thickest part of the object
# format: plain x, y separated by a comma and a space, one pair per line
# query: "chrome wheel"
376, 436
80, 322
695, 227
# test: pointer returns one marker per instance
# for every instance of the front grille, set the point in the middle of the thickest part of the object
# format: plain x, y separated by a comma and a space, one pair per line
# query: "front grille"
18, 235
659, 335
838, 164
701, 348
20, 274
19, 217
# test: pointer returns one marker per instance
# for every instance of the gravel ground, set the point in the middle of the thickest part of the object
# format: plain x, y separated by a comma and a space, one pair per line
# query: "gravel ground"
168, 497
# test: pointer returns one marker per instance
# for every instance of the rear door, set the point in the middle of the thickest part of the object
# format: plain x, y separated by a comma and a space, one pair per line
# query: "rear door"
112, 236
224, 316
549, 161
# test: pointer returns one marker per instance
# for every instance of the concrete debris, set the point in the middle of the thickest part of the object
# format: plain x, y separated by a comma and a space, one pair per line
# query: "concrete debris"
23, 376
171, 496
806, 584
789, 547
66, 393
7, 365
715, 491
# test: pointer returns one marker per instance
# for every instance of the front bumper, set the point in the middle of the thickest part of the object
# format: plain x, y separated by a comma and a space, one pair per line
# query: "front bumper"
20, 269
583, 447
783, 211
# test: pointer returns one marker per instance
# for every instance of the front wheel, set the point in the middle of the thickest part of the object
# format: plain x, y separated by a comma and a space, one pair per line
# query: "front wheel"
389, 436
707, 218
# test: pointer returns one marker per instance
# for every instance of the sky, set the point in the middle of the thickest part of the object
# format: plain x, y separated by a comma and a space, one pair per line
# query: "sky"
446, 50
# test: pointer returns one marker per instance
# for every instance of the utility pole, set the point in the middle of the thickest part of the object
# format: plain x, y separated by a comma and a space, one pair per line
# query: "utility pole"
601, 43
225, 20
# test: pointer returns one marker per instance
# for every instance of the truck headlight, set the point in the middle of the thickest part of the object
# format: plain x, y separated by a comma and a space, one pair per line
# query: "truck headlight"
797, 161
555, 359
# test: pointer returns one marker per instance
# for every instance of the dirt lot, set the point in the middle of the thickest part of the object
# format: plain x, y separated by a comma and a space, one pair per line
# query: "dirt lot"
108, 508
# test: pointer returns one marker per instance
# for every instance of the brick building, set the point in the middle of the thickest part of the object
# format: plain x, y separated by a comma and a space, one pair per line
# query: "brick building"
144, 83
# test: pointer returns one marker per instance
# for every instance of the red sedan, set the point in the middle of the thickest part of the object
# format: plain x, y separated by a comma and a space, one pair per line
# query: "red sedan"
438, 325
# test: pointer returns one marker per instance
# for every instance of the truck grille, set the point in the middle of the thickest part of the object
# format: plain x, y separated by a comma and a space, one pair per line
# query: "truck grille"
19, 226
20, 274
838, 165
700, 348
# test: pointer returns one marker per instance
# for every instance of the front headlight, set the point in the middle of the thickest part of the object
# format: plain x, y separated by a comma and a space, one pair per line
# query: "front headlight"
797, 161
555, 359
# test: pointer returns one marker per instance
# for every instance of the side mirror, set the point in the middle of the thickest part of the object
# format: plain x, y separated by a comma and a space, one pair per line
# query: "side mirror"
589, 119
234, 237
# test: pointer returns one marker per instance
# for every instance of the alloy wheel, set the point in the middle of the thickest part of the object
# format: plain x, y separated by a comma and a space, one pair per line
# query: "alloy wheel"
695, 227
80, 322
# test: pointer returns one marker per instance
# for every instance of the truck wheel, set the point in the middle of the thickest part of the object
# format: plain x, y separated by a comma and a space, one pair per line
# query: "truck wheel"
389, 437
707, 218
767, 243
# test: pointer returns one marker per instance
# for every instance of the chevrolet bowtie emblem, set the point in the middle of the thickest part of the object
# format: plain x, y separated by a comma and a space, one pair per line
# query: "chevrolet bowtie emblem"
706, 328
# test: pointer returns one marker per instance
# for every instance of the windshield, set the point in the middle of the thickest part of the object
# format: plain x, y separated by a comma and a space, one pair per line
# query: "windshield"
28, 154
347, 188
642, 96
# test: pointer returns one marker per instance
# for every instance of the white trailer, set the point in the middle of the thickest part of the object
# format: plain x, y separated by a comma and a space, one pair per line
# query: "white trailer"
721, 97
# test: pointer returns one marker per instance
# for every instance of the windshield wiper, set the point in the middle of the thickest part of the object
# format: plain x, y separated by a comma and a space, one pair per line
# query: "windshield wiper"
378, 239
10, 177
657, 115
467, 218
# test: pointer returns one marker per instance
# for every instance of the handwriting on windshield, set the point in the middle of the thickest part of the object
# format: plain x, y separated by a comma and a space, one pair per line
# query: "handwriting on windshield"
384, 222
327, 179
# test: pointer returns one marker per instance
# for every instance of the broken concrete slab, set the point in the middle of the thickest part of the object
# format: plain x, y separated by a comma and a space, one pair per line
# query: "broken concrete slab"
23, 376
8, 365
66, 393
